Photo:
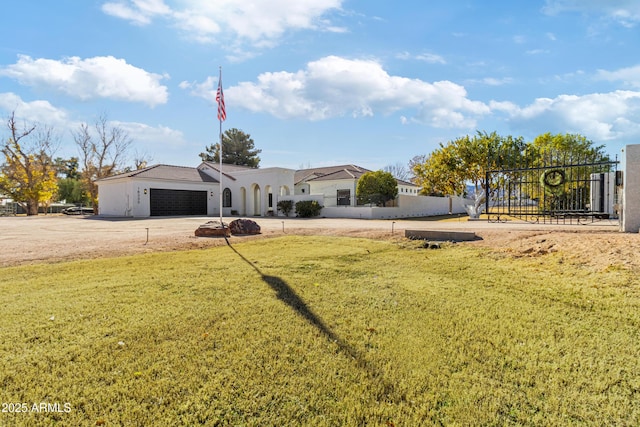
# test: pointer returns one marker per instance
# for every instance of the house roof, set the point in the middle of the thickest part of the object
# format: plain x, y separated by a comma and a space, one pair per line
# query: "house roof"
329, 173
168, 172
228, 168
336, 172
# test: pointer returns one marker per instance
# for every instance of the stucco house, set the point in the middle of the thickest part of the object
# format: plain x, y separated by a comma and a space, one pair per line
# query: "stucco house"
166, 190
338, 184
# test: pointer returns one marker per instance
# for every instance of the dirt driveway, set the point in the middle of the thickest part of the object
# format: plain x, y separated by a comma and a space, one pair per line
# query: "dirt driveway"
51, 238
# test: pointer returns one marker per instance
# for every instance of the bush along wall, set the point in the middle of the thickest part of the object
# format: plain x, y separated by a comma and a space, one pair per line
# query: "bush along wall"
308, 208
285, 206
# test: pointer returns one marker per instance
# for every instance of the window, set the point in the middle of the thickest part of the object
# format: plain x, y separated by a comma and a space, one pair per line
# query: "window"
226, 198
344, 197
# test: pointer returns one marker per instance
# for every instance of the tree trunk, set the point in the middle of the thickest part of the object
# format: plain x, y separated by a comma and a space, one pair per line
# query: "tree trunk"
32, 207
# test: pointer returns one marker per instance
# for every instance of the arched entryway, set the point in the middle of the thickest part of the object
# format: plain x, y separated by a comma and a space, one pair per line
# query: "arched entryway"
270, 200
242, 207
284, 190
256, 199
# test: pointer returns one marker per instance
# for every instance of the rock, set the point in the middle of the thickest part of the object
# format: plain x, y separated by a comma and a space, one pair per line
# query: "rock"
212, 229
431, 245
244, 226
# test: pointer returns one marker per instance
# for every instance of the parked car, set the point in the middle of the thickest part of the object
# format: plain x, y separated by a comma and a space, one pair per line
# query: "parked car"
78, 210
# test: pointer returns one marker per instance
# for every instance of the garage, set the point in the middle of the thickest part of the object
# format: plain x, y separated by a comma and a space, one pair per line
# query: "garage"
164, 202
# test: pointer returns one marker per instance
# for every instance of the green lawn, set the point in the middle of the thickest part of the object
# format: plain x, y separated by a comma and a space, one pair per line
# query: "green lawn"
319, 331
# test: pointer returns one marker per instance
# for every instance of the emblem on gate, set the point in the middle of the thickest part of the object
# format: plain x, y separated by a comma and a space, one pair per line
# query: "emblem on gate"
553, 179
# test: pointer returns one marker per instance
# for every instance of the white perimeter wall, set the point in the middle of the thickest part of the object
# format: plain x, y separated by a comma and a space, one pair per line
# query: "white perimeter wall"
409, 207
631, 189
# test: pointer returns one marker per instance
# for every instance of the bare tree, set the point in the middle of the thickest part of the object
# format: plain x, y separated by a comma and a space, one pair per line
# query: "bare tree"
141, 160
28, 174
417, 160
101, 156
399, 171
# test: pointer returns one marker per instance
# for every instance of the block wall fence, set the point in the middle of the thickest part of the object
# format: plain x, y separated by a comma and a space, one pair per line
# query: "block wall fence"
630, 221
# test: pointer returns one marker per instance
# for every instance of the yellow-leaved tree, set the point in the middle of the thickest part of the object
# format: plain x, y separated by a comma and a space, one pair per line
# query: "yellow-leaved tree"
28, 174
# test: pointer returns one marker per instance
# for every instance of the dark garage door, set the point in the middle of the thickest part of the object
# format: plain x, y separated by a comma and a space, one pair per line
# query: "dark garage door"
178, 202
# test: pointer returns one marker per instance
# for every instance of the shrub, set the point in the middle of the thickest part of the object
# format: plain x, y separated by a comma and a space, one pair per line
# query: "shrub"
308, 208
285, 206
377, 188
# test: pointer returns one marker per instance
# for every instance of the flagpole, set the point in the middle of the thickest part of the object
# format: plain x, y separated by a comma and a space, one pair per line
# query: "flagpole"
221, 117
220, 179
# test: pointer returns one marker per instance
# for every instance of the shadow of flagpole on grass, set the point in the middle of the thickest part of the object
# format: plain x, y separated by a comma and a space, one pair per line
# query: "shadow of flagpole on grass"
287, 295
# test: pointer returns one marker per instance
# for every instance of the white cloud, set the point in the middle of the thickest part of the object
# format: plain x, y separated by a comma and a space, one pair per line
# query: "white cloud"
491, 81
335, 86
624, 12
151, 136
537, 52
33, 112
257, 22
98, 77
630, 76
430, 58
518, 39
598, 116
139, 12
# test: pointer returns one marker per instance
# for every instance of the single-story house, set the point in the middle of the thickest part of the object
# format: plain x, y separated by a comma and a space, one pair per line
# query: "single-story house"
166, 190
338, 184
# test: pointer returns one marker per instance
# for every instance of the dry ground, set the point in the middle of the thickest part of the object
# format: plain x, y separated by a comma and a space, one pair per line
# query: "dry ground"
25, 240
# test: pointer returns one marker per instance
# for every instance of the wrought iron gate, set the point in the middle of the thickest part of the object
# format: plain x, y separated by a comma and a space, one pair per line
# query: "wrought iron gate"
553, 187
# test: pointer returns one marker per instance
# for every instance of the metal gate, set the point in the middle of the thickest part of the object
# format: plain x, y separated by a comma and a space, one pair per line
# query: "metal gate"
553, 187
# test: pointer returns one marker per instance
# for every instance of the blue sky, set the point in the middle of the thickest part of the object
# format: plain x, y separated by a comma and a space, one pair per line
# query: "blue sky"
323, 82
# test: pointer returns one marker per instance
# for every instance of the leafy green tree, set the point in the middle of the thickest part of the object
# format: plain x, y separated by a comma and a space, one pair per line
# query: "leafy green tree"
67, 168
72, 191
70, 186
377, 188
563, 149
465, 161
28, 174
560, 146
237, 149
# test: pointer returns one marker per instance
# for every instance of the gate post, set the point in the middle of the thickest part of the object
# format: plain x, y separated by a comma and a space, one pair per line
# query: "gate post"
631, 189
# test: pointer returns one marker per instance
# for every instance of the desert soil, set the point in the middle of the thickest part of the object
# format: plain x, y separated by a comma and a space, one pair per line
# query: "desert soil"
52, 238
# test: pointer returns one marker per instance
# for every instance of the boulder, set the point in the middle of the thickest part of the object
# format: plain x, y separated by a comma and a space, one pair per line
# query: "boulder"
212, 229
244, 226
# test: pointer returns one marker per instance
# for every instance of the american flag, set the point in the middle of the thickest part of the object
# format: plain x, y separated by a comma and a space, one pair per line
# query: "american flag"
222, 112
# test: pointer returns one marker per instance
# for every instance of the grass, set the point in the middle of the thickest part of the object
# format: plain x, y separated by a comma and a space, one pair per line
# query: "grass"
320, 331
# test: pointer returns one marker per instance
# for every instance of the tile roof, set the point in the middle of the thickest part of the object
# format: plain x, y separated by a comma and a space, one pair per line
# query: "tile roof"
330, 172
336, 172
178, 173
227, 168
